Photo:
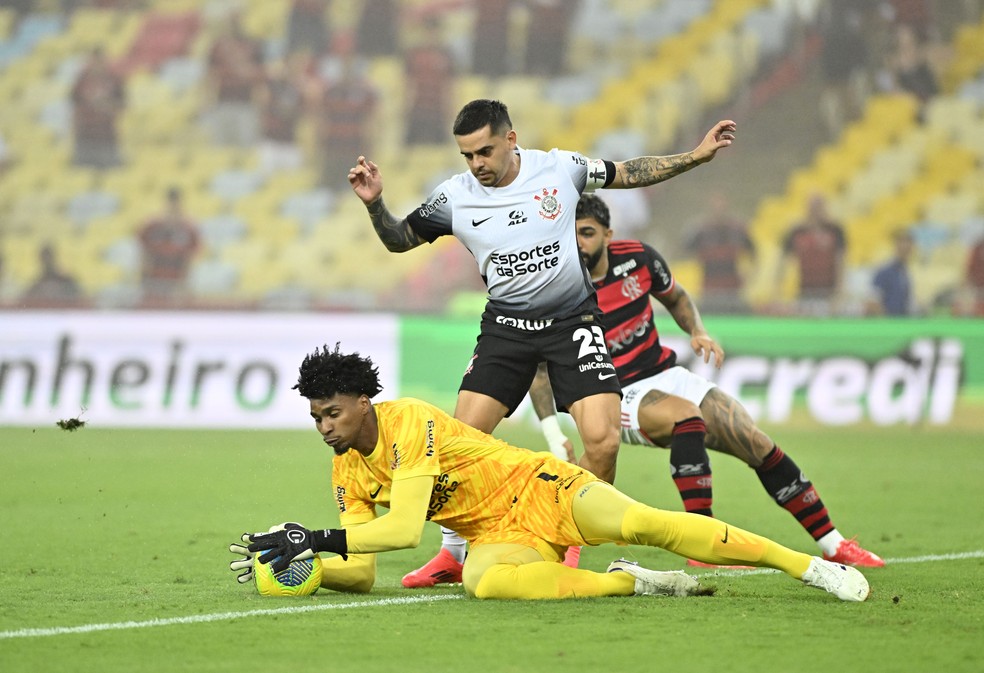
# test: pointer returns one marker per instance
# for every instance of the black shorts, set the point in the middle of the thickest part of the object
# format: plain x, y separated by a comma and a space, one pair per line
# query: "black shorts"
510, 349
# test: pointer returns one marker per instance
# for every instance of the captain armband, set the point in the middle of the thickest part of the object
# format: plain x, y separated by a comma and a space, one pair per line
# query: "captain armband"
601, 173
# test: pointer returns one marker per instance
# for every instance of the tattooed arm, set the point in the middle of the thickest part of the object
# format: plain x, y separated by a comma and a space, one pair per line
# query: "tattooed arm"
367, 183
395, 233
644, 171
686, 315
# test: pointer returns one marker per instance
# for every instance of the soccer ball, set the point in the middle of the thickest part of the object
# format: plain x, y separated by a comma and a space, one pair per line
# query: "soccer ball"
300, 578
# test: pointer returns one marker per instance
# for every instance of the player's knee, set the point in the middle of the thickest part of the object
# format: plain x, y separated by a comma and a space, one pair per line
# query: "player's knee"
602, 439
496, 581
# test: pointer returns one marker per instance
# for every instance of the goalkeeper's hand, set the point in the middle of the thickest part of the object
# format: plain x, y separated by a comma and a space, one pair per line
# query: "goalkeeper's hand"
244, 566
294, 543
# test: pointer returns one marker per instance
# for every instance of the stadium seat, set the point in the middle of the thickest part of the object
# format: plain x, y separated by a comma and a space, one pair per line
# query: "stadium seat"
213, 278
952, 116
232, 185
952, 209
89, 205
221, 230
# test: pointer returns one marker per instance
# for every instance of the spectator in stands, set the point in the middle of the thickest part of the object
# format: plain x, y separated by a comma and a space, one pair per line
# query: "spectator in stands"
844, 61
722, 246
344, 123
908, 68
307, 27
892, 282
430, 72
54, 288
282, 105
490, 38
816, 246
376, 33
974, 280
169, 242
235, 73
98, 99
547, 36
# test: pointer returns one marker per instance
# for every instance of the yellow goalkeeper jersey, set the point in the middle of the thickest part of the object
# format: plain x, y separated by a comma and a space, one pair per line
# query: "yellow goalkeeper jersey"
485, 489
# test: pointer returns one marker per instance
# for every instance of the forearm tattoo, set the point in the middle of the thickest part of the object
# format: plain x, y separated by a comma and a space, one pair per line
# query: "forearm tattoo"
644, 171
395, 234
685, 314
541, 395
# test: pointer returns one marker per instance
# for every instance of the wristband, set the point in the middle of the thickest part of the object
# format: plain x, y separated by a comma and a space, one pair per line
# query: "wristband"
331, 540
551, 430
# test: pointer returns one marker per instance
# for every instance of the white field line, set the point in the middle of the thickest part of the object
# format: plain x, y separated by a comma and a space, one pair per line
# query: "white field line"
220, 616
409, 600
889, 561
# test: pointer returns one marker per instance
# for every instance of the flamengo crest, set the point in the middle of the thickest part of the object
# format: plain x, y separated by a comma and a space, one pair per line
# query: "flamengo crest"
549, 205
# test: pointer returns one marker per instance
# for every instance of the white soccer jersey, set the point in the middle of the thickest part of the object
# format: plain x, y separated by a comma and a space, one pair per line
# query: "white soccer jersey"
521, 235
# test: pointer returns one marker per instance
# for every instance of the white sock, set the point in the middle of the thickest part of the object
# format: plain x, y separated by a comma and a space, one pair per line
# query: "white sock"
829, 542
454, 543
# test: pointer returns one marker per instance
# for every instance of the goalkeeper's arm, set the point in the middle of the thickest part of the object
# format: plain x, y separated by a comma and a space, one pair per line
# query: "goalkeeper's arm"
400, 528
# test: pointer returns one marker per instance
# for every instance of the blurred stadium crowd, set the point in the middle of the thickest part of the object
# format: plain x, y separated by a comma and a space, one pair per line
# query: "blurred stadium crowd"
182, 154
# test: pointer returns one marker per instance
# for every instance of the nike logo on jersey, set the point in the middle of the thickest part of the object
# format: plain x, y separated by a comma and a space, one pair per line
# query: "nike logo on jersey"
602, 377
475, 223
725, 539
376, 492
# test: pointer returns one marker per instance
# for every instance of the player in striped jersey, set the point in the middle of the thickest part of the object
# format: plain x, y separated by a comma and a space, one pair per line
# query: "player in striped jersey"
665, 404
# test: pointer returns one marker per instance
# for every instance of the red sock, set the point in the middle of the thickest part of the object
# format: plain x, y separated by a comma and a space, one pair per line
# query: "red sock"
572, 557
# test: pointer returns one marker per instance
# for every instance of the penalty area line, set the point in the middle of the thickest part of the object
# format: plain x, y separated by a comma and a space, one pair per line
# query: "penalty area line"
218, 616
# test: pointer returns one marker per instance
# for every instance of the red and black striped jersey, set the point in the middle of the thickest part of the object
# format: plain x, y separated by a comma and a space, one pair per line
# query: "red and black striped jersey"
635, 271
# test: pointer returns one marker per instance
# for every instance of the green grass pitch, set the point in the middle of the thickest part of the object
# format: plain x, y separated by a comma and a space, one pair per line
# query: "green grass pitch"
114, 559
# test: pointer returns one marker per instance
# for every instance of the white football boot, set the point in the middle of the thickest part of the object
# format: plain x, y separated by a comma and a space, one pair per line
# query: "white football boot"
659, 582
845, 582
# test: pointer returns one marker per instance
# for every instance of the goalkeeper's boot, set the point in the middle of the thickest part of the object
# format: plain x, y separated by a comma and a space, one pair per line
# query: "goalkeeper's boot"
442, 569
700, 564
845, 582
850, 553
660, 582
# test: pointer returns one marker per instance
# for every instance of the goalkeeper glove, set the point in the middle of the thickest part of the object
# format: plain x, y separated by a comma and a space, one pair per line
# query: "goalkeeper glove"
245, 564
295, 543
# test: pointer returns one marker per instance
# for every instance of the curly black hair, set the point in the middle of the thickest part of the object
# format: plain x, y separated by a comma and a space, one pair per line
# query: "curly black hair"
591, 206
481, 113
325, 373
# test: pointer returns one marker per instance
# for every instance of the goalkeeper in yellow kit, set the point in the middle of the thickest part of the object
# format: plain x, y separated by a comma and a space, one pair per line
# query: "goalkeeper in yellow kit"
520, 510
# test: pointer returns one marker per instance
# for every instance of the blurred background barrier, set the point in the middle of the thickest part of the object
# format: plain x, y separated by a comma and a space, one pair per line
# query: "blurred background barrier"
221, 370
173, 370
838, 372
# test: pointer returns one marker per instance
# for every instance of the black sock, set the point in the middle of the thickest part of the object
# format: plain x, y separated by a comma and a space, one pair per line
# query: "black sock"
790, 488
691, 466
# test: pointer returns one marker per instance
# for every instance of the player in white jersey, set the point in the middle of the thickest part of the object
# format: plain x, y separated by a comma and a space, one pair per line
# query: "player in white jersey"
514, 210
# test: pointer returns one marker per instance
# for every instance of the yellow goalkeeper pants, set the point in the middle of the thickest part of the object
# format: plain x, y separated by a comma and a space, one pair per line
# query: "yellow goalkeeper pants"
604, 514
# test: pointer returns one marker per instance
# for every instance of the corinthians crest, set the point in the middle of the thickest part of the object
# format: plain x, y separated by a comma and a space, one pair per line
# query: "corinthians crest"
549, 205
